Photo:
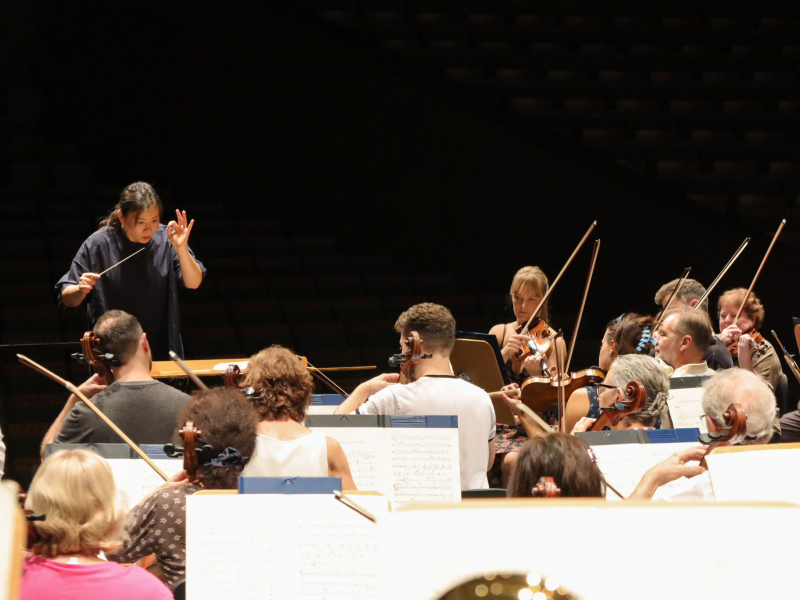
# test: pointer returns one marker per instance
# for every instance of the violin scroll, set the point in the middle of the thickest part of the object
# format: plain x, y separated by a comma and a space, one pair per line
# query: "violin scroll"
546, 488
734, 433
100, 362
408, 361
633, 402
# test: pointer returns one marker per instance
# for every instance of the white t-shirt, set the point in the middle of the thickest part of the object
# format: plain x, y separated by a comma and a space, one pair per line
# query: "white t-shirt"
446, 395
306, 456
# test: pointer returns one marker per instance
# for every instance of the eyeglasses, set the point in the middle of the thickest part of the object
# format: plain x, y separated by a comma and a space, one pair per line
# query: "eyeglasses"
603, 385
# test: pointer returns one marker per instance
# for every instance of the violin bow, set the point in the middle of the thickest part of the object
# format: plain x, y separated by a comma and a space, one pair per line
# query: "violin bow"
325, 379
560, 379
760, 268
788, 357
724, 270
72, 388
672, 297
189, 373
563, 269
574, 339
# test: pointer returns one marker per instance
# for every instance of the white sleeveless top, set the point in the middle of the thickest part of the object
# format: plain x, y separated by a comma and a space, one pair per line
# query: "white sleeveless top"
305, 456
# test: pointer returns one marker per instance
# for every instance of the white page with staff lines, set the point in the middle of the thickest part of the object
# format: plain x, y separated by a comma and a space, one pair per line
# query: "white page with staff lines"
685, 408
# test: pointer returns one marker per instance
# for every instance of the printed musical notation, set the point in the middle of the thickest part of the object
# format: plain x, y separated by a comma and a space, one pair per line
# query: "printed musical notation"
135, 479
685, 408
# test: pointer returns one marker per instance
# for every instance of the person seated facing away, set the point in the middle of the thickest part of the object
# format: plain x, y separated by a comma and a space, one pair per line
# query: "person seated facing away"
766, 365
565, 458
716, 356
158, 523
145, 409
719, 392
75, 490
683, 338
436, 391
284, 446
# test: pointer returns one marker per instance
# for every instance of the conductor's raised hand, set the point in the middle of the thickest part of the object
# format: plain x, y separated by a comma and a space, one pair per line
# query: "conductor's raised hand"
178, 231
87, 281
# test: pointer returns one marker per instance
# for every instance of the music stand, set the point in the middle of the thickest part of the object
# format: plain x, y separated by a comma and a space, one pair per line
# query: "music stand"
478, 356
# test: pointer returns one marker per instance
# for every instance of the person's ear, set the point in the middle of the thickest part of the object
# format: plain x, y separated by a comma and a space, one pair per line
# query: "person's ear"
686, 342
145, 344
121, 216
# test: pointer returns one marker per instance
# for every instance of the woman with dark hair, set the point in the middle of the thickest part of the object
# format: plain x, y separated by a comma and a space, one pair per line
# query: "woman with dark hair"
565, 458
158, 524
145, 286
284, 446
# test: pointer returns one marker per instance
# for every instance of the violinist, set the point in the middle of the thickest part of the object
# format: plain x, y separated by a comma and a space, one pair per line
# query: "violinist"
683, 339
754, 353
627, 334
227, 423
284, 446
436, 391
716, 356
724, 388
147, 284
145, 409
527, 290
75, 490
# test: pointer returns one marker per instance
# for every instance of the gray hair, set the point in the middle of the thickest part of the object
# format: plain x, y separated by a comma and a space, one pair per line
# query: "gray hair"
745, 388
644, 369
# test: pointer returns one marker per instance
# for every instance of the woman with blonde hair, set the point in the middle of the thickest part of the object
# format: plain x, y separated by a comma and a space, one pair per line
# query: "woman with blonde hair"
284, 446
75, 491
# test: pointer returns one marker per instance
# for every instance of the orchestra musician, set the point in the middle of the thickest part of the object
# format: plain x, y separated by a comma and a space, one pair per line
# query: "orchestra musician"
732, 385
766, 365
227, 423
435, 391
683, 338
716, 356
284, 446
145, 409
75, 490
147, 284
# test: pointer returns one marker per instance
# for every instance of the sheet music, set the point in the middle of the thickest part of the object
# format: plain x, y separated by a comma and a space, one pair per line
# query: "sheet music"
461, 542
757, 475
298, 546
135, 479
242, 364
425, 465
321, 409
685, 408
365, 449
623, 465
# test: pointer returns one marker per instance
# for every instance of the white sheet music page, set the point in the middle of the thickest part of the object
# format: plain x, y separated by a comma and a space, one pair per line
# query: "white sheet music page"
368, 454
280, 546
425, 465
685, 408
757, 475
691, 550
135, 479
623, 465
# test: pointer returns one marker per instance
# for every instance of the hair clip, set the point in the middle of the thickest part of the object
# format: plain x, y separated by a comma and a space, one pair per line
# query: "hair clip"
645, 339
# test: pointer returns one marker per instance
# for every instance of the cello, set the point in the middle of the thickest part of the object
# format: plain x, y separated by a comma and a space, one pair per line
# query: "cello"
546, 488
101, 362
733, 434
407, 361
633, 402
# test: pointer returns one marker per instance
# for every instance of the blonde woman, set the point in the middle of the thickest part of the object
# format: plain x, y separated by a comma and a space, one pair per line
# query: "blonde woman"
75, 490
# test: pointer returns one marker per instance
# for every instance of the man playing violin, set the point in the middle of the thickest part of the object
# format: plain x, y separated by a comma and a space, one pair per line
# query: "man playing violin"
683, 339
145, 409
716, 356
435, 391
755, 355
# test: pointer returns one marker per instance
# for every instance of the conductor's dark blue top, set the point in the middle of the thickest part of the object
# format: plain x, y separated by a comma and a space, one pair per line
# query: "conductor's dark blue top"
145, 286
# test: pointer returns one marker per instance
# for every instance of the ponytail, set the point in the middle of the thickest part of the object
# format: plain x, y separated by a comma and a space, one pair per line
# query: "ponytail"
134, 199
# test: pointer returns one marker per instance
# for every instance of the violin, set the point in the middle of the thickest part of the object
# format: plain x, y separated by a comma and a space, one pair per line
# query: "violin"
757, 343
30, 518
100, 362
408, 361
734, 433
541, 393
546, 488
634, 401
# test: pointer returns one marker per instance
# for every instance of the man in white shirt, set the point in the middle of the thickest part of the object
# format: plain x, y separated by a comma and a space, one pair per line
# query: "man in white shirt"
719, 392
683, 338
434, 391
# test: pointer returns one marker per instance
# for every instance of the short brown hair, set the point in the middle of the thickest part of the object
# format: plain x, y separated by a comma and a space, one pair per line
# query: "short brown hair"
225, 419
119, 333
282, 382
693, 323
434, 324
565, 458
534, 278
690, 290
753, 307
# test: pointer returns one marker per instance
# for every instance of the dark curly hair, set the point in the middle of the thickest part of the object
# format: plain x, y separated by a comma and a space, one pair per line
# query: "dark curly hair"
565, 458
282, 382
434, 323
225, 419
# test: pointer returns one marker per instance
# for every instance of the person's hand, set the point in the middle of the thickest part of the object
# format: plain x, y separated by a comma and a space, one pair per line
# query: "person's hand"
729, 334
675, 466
514, 344
178, 480
178, 231
376, 384
745, 352
92, 386
533, 364
87, 281
583, 425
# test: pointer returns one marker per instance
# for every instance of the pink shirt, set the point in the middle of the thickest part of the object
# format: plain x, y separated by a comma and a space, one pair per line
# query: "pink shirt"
53, 580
